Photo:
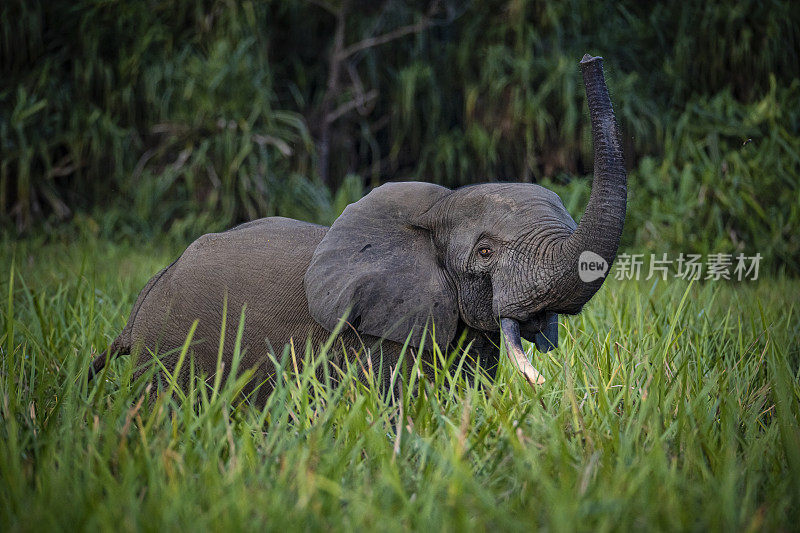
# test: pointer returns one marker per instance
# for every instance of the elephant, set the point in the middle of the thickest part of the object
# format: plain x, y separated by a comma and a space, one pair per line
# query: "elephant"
475, 263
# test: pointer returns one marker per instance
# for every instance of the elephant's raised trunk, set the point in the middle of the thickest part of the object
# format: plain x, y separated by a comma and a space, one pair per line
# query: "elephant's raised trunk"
599, 230
588, 253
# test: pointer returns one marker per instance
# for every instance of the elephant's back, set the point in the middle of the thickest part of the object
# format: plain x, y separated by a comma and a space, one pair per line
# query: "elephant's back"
259, 261
281, 244
257, 267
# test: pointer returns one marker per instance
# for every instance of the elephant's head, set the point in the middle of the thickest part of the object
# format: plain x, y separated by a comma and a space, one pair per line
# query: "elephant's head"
496, 256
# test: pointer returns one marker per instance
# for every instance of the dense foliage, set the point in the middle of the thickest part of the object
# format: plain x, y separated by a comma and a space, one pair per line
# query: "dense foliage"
667, 407
189, 115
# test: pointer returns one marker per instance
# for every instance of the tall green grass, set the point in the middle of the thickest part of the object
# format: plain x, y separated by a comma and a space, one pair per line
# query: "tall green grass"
667, 406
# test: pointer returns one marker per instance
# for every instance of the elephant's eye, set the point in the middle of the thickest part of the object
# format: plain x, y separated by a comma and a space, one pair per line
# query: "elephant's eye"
485, 251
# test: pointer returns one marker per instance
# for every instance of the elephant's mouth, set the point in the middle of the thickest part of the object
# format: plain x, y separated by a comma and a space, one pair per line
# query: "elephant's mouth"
543, 329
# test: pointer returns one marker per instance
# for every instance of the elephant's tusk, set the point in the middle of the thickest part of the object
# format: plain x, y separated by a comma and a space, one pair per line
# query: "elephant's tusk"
510, 329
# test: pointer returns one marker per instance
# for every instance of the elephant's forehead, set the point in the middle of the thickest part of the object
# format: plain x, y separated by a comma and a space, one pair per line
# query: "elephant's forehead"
510, 199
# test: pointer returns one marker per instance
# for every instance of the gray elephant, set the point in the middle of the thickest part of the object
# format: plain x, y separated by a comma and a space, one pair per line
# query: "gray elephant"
468, 264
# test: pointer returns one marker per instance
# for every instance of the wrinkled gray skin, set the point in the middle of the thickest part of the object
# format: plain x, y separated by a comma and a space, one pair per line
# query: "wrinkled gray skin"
469, 259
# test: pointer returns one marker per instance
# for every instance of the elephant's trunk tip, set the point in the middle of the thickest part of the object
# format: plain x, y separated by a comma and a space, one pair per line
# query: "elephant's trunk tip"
588, 58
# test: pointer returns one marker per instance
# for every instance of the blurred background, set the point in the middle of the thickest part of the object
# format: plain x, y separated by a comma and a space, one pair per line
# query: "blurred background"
140, 120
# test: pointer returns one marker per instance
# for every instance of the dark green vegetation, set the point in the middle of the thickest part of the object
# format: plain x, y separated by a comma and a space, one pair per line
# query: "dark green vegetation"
189, 115
666, 406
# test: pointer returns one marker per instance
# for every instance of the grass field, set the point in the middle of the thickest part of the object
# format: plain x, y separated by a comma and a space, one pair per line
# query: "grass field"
667, 407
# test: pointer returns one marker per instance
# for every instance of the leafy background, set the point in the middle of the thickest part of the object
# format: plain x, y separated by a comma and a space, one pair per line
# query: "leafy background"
141, 118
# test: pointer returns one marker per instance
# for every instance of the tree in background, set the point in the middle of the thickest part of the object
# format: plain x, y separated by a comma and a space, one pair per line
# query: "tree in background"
190, 115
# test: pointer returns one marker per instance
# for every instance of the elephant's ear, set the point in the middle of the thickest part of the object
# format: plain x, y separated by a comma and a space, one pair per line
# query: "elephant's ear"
379, 262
